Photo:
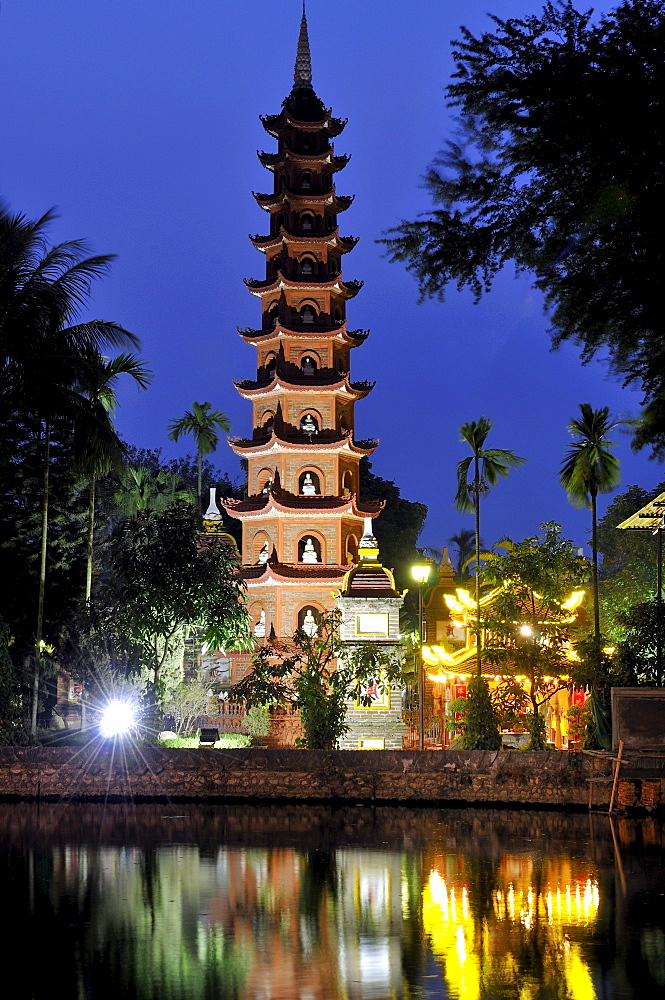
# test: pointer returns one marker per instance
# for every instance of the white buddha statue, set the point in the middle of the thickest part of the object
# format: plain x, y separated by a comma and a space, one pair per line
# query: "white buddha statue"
260, 627
309, 552
309, 623
308, 487
308, 424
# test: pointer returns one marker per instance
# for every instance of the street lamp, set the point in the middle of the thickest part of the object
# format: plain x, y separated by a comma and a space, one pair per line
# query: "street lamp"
420, 574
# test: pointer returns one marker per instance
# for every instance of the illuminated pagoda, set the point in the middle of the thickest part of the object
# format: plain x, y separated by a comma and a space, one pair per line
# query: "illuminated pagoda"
302, 521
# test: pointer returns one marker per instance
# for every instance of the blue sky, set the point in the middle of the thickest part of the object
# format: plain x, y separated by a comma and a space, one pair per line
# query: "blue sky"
138, 119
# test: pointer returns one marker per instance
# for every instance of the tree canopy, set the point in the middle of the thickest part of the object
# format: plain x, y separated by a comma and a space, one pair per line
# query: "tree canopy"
557, 167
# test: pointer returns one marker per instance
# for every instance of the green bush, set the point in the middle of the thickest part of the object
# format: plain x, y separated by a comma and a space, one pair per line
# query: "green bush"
482, 723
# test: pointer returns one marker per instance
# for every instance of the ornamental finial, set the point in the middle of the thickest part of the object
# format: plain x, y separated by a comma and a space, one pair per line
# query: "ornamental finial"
302, 73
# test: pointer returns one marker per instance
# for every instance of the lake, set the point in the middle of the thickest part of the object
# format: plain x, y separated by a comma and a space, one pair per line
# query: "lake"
172, 902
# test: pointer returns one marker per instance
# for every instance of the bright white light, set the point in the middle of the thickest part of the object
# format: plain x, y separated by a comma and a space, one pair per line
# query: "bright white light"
526, 630
118, 717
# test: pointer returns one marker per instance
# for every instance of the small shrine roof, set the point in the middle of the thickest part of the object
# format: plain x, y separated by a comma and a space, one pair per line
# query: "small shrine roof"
369, 579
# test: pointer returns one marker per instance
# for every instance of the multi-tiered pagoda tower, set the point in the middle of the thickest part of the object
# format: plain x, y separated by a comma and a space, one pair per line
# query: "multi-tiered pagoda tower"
302, 522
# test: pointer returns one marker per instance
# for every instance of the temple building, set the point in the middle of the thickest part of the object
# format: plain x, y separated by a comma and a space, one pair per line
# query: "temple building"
302, 521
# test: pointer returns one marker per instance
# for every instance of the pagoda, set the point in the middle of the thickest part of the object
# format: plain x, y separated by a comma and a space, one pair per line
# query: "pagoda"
302, 521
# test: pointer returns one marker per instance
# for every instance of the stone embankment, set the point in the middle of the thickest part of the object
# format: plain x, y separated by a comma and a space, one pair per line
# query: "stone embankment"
515, 779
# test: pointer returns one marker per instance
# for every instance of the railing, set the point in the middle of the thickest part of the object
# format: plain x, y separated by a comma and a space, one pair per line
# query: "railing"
411, 739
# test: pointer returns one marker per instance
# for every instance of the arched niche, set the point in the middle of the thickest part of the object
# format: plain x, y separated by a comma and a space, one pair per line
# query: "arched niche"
261, 548
258, 621
267, 420
309, 483
307, 222
309, 618
307, 265
310, 422
306, 180
310, 548
309, 363
347, 481
272, 314
264, 479
351, 549
308, 313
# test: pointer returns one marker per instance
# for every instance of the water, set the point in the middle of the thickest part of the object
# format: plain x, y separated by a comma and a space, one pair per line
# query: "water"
293, 903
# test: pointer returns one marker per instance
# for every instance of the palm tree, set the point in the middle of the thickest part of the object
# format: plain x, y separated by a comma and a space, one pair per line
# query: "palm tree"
43, 359
202, 423
489, 465
590, 468
139, 489
464, 542
100, 383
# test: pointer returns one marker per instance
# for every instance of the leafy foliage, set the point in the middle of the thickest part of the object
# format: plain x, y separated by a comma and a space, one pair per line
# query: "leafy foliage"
644, 639
170, 580
317, 674
558, 168
529, 628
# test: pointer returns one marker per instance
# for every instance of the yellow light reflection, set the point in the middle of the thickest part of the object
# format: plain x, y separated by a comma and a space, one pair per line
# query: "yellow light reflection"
474, 954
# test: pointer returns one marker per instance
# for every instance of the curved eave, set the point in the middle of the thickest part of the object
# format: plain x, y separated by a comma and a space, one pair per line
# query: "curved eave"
281, 386
347, 289
256, 338
342, 243
294, 573
244, 447
288, 504
284, 121
308, 199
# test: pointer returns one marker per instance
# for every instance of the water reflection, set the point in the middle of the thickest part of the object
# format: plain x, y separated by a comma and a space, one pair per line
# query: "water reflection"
315, 904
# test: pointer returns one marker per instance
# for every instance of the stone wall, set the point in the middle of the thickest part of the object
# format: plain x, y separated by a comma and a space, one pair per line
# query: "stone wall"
540, 779
375, 723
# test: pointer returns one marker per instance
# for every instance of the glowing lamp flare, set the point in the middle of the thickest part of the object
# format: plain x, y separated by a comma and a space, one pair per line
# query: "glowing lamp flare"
118, 718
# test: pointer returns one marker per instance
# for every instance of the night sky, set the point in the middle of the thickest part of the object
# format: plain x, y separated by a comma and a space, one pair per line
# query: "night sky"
138, 120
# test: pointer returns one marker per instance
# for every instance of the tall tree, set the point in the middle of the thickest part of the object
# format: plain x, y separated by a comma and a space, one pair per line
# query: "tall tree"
487, 467
203, 424
139, 489
100, 383
43, 357
590, 468
558, 168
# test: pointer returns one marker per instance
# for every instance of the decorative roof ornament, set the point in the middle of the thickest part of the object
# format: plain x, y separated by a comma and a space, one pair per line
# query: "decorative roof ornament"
368, 541
213, 512
302, 73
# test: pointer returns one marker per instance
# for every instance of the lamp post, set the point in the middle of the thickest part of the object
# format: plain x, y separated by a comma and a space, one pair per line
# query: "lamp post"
420, 574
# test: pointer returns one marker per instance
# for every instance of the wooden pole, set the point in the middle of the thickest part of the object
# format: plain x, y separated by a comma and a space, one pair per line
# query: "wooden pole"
617, 768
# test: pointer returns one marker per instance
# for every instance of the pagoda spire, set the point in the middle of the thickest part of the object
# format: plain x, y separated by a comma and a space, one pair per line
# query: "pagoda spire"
302, 73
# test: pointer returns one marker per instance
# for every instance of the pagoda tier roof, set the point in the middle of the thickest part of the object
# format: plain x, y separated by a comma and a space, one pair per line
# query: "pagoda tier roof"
286, 438
342, 243
268, 286
293, 380
280, 501
285, 121
275, 200
313, 331
283, 573
271, 160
